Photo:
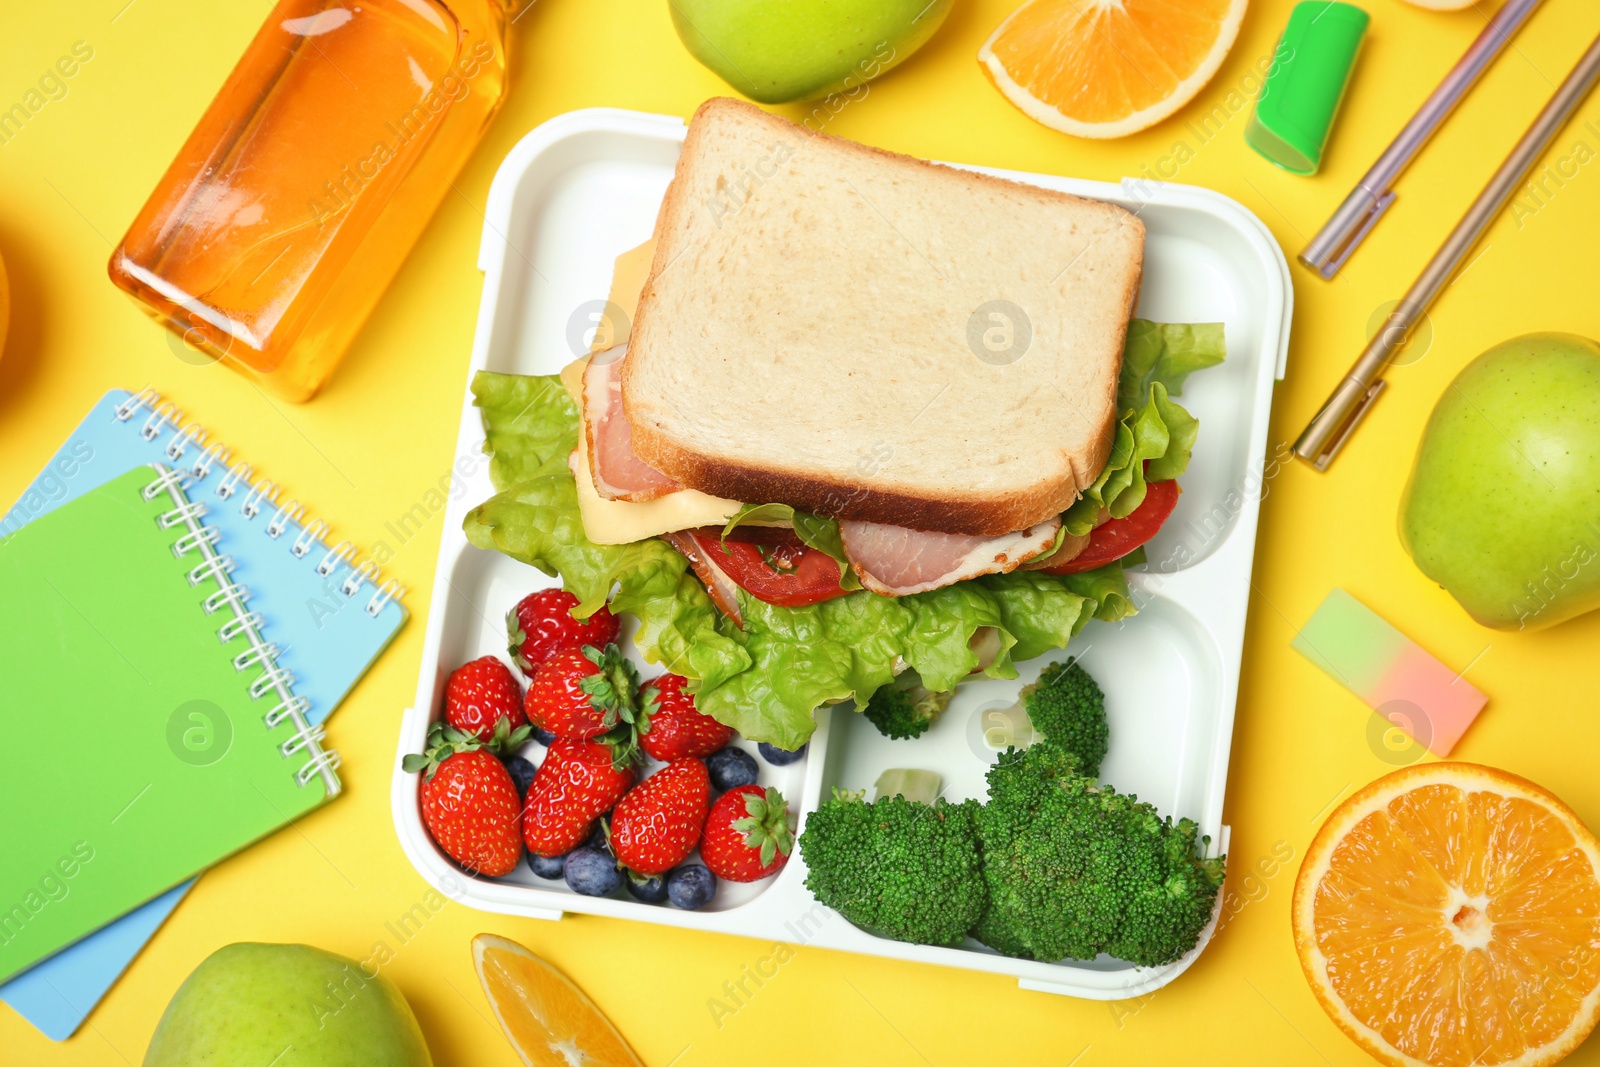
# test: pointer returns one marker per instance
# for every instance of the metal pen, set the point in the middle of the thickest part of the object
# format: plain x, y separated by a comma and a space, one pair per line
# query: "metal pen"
1373, 195
1326, 434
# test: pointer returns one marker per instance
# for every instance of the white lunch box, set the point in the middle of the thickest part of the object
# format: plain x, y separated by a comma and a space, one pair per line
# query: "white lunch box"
586, 186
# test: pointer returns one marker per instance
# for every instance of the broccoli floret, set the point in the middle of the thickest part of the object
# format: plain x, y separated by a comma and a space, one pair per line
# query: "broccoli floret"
905, 707
1068, 707
1075, 869
895, 867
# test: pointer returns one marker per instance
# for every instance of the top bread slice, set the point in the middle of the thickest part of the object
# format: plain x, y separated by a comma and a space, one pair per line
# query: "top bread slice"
866, 335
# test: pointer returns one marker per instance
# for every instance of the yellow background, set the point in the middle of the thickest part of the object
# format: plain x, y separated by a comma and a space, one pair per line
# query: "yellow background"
382, 434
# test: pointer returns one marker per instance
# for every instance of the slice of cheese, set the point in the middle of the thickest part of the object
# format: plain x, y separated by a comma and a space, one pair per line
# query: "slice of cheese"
618, 522
627, 282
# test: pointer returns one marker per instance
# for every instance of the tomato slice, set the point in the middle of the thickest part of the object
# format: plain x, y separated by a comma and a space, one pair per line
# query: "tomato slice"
773, 564
1116, 538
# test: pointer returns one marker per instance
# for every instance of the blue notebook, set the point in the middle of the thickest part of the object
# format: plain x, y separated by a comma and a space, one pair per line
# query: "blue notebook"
329, 614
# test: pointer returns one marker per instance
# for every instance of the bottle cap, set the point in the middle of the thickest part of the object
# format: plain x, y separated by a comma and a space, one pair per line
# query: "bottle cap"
1306, 83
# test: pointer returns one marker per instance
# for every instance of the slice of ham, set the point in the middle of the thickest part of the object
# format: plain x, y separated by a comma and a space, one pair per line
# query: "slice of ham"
895, 561
618, 473
724, 591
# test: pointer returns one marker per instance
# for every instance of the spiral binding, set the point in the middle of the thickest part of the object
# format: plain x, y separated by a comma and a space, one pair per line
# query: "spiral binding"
243, 623
260, 497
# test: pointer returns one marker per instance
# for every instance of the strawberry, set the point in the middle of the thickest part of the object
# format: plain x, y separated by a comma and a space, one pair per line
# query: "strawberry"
576, 784
469, 802
671, 727
482, 699
584, 694
658, 823
747, 834
542, 624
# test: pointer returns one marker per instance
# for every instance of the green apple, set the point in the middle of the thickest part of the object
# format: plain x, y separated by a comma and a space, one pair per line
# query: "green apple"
290, 1006
781, 50
1503, 506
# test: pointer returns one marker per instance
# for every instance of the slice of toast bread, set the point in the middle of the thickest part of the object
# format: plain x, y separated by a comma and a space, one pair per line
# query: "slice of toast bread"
866, 335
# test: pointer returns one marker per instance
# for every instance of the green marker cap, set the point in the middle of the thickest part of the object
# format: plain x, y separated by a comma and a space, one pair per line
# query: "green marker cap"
1306, 84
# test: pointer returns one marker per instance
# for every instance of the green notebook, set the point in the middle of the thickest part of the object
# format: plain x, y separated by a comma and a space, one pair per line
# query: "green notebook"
150, 730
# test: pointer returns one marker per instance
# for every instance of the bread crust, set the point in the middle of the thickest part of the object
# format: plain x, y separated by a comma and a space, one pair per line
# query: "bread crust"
955, 509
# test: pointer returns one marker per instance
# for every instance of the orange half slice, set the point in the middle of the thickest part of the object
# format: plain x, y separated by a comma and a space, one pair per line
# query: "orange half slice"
1108, 68
1449, 914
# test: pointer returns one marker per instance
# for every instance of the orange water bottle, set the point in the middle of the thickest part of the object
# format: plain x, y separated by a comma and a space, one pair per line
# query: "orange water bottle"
295, 200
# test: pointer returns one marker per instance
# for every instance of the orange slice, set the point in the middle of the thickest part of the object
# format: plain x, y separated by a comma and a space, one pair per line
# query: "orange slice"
547, 1019
1449, 914
1108, 68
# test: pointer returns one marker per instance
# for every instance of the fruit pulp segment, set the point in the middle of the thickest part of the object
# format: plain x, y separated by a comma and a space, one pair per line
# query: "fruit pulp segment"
1098, 61
1412, 886
546, 1017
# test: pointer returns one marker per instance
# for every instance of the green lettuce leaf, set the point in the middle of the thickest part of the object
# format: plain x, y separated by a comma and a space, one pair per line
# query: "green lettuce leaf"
847, 648
1141, 434
1040, 611
758, 513
802, 658
529, 425
945, 621
537, 522
1154, 434
1168, 353
766, 679
1182, 429
683, 632
1106, 588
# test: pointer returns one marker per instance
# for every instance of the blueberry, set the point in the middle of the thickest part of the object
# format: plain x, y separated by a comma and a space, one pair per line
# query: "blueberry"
522, 772
651, 888
600, 837
731, 767
541, 735
691, 886
550, 867
592, 872
780, 757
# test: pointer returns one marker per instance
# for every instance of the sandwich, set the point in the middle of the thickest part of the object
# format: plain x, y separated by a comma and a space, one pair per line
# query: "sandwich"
849, 417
